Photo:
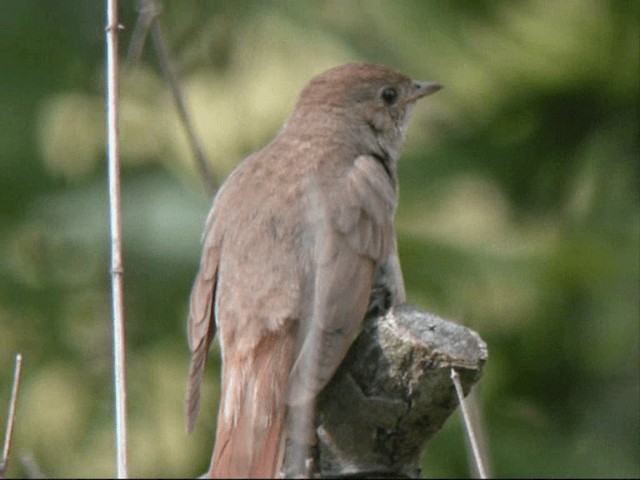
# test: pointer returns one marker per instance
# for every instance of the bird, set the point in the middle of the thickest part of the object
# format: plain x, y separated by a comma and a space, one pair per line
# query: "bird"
298, 245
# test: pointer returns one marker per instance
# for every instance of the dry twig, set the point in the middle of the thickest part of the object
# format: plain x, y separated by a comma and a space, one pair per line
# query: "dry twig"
471, 434
148, 19
6, 450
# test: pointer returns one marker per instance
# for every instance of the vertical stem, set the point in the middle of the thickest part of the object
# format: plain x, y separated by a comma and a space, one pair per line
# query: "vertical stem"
117, 286
4, 459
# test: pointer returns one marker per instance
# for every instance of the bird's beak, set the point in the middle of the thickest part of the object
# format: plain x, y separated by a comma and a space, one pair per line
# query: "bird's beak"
422, 89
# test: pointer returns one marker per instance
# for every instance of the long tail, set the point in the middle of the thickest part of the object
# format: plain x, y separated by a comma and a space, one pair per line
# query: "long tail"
249, 437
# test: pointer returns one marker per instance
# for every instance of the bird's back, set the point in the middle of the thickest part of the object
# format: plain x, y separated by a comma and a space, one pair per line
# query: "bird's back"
264, 278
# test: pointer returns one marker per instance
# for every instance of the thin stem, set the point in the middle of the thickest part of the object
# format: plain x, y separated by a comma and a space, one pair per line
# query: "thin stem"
148, 11
473, 442
117, 284
4, 461
164, 59
149, 20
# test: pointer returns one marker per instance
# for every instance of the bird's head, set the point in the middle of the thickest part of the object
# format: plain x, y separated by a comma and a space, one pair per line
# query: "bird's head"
364, 105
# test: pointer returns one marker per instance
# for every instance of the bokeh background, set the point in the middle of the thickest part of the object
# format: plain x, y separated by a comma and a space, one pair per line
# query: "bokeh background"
519, 213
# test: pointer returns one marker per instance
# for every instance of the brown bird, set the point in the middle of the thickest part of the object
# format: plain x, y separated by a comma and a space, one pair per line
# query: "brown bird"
298, 245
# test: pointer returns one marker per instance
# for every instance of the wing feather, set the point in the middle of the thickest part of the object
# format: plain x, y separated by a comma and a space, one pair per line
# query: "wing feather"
359, 237
201, 327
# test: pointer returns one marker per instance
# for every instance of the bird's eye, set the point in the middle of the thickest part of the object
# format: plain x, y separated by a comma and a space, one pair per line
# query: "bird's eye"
389, 95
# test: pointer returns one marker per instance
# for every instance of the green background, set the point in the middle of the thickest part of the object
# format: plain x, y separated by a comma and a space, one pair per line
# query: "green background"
518, 214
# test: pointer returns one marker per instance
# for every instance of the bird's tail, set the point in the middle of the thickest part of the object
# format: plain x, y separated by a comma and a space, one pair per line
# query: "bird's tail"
249, 437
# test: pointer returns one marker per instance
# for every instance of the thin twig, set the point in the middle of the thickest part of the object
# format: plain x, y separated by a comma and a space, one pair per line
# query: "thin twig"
148, 11
149, 19
164, 59
117, 284
479, 462
481, 438
6, 450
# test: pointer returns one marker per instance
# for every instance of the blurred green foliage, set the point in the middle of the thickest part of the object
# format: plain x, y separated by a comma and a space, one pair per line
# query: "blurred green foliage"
518, 216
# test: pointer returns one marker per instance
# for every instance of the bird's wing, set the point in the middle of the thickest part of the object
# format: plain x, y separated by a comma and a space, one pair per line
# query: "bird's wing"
201, 326
358, 236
